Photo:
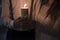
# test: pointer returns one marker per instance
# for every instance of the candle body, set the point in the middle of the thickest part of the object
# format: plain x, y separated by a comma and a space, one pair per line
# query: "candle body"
24, 13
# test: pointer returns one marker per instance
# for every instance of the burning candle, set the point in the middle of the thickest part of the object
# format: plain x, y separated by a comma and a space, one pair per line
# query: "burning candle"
24, 11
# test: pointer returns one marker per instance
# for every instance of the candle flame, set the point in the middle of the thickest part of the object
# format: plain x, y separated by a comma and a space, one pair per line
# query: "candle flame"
25, 5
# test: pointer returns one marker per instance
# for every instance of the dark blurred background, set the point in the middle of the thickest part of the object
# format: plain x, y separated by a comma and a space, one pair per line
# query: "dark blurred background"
3, 29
